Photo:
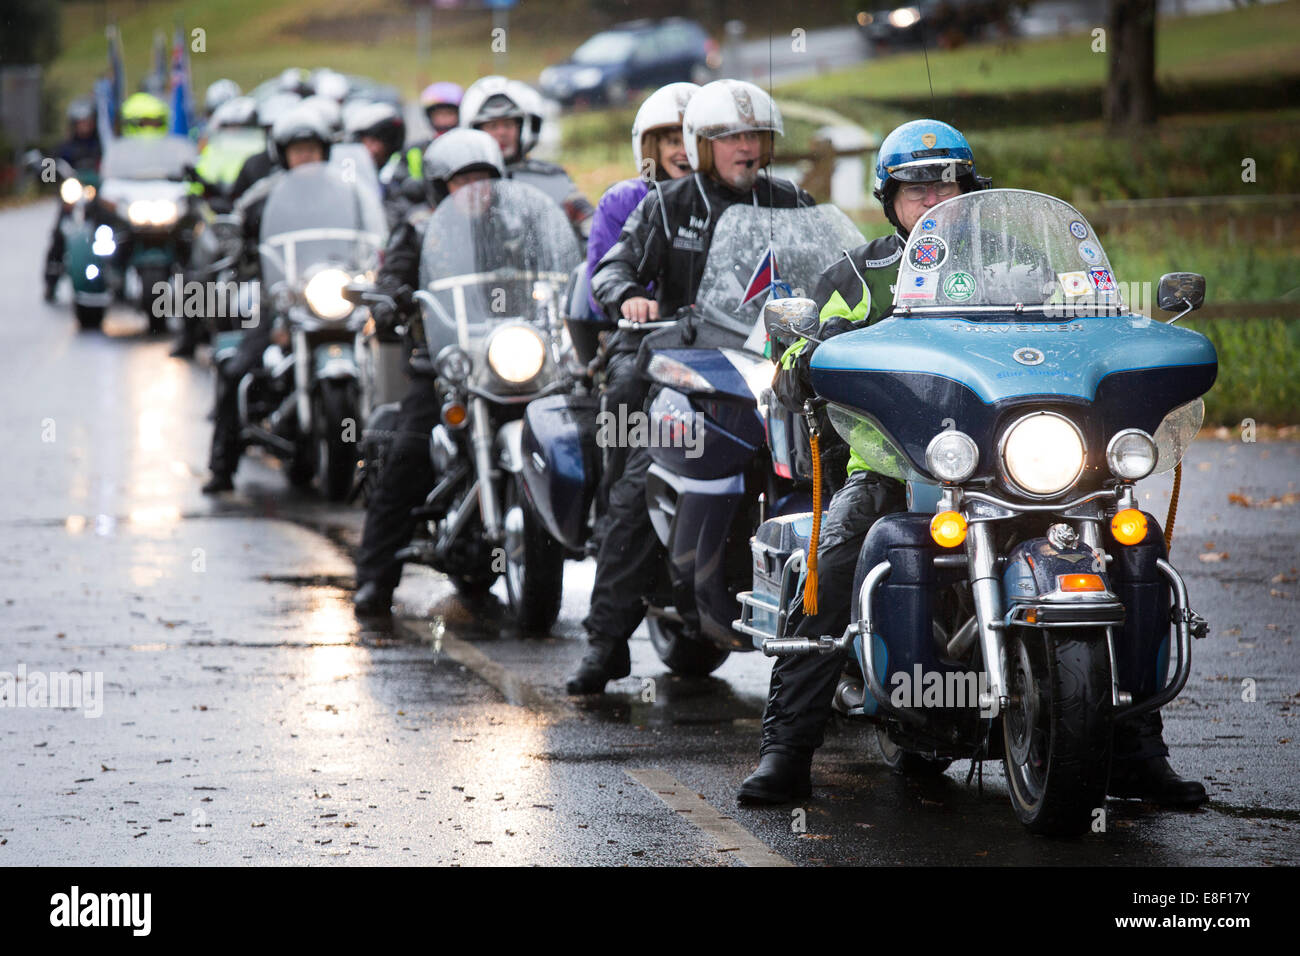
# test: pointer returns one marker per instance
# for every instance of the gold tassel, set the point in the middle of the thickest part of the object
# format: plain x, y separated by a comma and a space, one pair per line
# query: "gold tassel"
810, 584
1173, 508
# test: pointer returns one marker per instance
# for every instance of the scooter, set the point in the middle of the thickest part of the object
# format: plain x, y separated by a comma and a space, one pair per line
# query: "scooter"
1025, 604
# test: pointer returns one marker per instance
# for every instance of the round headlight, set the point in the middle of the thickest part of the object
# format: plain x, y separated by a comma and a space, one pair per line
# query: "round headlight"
1043, 454
516, 354
70, 191
1131, 454
324, 293
140, 212
952, 456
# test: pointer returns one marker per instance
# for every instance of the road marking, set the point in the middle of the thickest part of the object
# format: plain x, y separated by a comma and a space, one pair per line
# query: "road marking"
515, 689
725, 832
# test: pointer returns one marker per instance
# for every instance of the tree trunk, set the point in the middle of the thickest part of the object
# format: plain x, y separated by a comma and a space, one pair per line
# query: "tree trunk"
1131, 85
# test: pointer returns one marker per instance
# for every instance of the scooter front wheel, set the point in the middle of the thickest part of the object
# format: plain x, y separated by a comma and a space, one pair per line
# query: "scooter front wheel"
1057, 727
534, 564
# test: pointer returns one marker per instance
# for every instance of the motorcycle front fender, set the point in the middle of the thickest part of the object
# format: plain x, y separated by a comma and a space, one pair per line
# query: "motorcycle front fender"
335, 360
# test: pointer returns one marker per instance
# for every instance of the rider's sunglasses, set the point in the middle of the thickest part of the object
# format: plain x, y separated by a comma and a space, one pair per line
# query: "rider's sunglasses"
916, 191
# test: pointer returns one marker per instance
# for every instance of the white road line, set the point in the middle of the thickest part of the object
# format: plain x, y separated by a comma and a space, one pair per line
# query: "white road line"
729, 835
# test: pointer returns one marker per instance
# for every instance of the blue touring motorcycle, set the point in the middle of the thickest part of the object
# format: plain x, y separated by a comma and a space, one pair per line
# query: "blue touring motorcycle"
711, 482
1021, 401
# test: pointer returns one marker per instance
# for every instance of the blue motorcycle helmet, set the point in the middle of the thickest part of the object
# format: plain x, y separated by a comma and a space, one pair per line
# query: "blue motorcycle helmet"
920, 152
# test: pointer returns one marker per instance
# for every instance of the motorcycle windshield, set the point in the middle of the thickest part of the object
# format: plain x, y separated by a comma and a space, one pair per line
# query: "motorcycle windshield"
162, 158
1006, 250
485, 248
757, 251
316, 215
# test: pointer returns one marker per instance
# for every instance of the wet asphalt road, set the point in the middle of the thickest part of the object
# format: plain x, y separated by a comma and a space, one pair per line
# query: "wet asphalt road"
247, 718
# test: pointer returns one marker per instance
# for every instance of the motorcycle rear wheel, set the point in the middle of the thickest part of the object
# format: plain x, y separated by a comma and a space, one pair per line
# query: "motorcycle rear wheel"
534, 565
682, 652
89, 317
1057, 728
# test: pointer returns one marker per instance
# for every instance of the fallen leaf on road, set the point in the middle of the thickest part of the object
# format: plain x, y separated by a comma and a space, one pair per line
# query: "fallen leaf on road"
1212, 557
1274, 592
1281, 578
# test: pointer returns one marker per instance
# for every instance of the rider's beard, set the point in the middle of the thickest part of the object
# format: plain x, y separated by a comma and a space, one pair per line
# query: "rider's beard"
742, 177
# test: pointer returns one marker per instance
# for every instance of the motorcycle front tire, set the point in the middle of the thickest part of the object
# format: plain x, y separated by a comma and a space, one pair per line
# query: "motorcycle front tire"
681, 652
336, 458
534, 562
89, 317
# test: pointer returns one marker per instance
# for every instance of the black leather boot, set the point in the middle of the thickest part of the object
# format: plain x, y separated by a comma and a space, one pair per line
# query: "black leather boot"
606, 660
779, 778
373, 600
219, 482
1153, 779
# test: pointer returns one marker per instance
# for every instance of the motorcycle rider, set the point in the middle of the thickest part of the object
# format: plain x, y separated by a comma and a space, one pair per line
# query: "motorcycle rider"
380, 128
454, 160
298, 137
660, 155
144, 116
729, 129
919, 164
263, 162
511, 113
441, 104
81, 150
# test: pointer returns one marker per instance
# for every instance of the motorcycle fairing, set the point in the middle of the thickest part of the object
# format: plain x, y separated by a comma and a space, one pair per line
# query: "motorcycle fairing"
916, 377
690, 444
560, 463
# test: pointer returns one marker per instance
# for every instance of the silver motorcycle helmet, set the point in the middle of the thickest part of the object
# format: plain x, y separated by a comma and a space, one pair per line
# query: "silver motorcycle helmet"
724, 108
301, 124
239, 112
455, 152
381, 121
496, 97
218, 94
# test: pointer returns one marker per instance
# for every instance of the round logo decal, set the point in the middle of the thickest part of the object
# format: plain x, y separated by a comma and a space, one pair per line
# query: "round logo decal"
1089, 253
928, 225
959, 286
1078, 229
1028, 356
928, 253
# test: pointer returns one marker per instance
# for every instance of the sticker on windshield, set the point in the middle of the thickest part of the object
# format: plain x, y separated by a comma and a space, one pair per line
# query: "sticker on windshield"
1078, 229
1089, 252
1074, 283
959, 286
1102, 280
928, 225
919, 288
928, 253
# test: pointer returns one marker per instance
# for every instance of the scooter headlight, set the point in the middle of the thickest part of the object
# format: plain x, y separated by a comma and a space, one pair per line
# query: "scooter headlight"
1131, 454
516, 354
153, 212
324, 294
952, 456
1043, 454
70, 191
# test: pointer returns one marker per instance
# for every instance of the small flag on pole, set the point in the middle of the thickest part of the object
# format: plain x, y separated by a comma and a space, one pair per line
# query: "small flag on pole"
764, 278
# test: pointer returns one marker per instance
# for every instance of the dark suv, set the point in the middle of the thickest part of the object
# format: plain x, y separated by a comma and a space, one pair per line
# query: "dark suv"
629, 58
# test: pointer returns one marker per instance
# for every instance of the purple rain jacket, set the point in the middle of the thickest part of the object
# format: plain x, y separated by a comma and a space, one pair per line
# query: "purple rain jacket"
614, 208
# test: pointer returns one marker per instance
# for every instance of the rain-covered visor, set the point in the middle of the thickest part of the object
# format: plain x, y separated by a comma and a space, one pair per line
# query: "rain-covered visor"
928, 170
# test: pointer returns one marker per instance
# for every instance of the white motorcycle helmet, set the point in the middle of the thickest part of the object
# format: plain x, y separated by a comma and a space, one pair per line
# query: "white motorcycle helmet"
220, 93
329, 111
459, 151
495, 97
722, 108
665, 107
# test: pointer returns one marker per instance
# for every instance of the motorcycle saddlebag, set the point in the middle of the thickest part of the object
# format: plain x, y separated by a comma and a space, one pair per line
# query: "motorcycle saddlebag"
773, 543
561, 463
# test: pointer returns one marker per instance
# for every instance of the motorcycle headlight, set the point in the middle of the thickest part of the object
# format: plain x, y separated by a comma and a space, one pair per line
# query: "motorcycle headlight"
675, 374
70, 191
952, 456
1131, 454
516, 354
324, 294
454, 364
153, 212
1043, 454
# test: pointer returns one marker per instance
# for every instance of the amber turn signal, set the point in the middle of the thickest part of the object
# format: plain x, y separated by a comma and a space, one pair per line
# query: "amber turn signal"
948, 529
453, 414
1080, 582
1129, 526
